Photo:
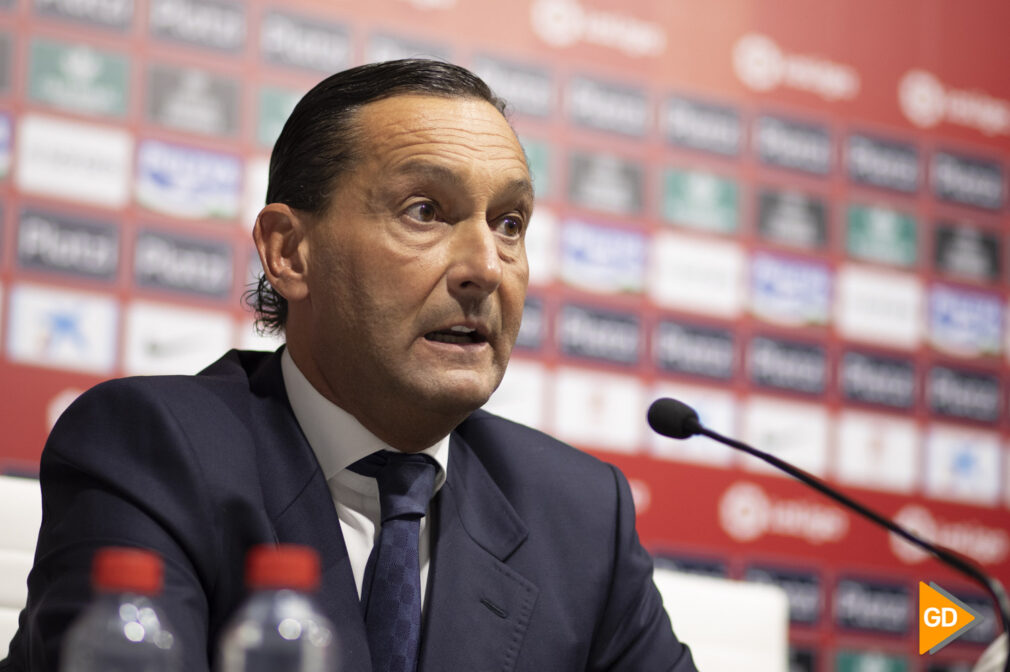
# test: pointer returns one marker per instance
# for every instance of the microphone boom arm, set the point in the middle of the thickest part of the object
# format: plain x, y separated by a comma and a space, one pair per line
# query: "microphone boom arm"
950, 557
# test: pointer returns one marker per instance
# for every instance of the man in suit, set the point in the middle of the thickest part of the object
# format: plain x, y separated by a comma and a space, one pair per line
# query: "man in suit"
393, 259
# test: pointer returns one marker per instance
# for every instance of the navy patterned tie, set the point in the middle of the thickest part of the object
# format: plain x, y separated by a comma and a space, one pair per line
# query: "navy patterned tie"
391, 590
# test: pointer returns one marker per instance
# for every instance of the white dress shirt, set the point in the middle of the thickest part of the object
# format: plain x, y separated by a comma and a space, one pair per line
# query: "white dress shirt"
339, 440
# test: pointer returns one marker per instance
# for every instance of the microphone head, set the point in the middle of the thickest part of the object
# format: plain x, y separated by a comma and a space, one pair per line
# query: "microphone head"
673, 418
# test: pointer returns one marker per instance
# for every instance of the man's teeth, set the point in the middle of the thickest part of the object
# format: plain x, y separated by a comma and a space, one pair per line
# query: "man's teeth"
455, 334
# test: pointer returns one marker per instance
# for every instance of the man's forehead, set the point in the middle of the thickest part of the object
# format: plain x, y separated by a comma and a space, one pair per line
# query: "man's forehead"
414, 133
436, 119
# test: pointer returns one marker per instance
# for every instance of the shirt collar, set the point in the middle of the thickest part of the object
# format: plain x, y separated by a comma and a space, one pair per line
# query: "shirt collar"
336, 436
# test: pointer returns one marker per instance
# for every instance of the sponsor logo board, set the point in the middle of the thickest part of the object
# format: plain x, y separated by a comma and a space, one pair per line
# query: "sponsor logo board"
538, 157
62, 329
6, 144
987, 545
522, 395
606, 106
200, 267
716, 409
702, 276
748, 513
792, 431
964, 322
700, 200
186, 182
207, 23
78, 78
792, 218
533, 330
966, 252
794, 145
166, 339
64, 244
969, 395
192, 100
303, 42
602, 259
803, 590
790, 291
877, 380
968, 180
566, 23
879, 306
73, 160
116, 14
697, 275
707, 127
696, 350
6, 62
787, 365
691, 565
275, 106
606, 182
542, 246
598, 410
881, 235
529, 89
877, 451
603, 335
926, 101
864, 661
887, 164
257, 176
963, 465
802, 660
762, 65
873, 606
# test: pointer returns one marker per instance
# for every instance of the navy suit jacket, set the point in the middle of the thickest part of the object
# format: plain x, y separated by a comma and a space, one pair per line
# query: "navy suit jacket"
535, 566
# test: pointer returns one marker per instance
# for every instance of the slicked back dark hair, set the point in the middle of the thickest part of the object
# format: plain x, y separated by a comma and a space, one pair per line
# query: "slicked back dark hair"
319, 142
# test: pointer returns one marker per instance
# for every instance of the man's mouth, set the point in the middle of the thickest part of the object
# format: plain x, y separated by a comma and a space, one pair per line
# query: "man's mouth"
457, 334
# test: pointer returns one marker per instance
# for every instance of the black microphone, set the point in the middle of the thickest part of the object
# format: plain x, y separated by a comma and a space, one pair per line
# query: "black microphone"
677, 420
673, 418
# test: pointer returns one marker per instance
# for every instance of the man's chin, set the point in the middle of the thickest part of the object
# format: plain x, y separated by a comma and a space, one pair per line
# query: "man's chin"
459, 395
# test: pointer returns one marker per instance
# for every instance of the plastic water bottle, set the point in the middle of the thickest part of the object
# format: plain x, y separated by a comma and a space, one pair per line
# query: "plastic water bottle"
122, 630
278, 628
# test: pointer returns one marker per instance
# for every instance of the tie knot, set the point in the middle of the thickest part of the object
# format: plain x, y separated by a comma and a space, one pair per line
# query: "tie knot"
406, 481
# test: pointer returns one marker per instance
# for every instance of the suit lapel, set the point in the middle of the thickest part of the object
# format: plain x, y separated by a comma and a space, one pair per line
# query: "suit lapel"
299, 503
478, 608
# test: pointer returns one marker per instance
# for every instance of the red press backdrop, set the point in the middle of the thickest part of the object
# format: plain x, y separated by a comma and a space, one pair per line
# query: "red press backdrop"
792, 215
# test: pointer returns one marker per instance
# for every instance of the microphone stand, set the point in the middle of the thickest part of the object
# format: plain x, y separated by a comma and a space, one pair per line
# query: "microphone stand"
947, 556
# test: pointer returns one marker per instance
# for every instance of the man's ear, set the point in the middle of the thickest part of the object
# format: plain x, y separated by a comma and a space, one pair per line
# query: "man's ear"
280, 236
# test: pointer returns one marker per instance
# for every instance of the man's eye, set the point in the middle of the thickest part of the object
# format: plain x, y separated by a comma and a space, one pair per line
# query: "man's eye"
511, 226
422, 212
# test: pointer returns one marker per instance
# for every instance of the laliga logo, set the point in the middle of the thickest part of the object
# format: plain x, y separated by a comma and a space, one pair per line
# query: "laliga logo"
922, 98
564, 23
925, 101
746, 512
762, 66
986, 545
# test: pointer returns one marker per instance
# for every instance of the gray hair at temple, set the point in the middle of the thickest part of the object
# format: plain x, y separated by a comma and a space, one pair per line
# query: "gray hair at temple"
319, 143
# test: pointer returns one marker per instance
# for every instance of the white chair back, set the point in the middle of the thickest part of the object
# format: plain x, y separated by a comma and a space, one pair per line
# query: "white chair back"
729, 625
20, 517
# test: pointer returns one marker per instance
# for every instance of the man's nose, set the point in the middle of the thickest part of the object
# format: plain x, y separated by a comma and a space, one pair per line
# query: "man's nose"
475, 265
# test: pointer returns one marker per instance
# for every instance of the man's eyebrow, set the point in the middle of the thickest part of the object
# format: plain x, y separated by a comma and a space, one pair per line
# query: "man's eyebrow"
522, 187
